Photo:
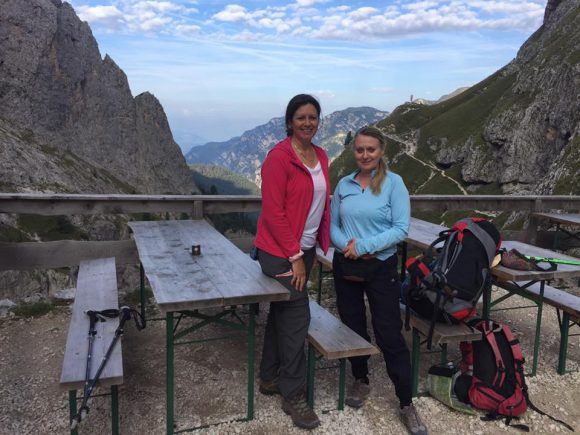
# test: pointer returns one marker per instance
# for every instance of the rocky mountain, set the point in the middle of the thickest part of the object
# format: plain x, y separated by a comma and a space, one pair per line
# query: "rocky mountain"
442, 98
68, 121
69, 124
244, 154
517, 131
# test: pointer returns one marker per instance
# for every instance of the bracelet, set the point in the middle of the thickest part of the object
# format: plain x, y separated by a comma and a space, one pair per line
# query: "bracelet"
296, 257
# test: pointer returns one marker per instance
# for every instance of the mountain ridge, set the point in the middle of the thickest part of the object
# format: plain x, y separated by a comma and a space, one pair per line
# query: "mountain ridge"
244, 154
515, 132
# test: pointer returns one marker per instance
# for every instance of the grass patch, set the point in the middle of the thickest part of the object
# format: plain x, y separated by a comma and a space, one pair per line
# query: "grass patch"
50, 228
11, 234
414, 173
516, 225
439, 185
563, 37
466, 118
341, 166
568, 184
434, 217
574, 58
35, 309
501, 219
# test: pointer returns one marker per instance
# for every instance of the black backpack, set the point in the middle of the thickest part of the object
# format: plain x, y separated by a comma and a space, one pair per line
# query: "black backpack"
444, 285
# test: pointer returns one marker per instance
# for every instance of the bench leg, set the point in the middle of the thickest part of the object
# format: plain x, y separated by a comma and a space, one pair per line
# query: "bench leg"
252, 308
310, 375
564, 328
115, 410
169, 372
341, 383
72, 407
142, 289
415, 362
538, 326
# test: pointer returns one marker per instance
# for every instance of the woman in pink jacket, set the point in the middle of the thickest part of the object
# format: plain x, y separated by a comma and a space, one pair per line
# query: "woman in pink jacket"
295, 217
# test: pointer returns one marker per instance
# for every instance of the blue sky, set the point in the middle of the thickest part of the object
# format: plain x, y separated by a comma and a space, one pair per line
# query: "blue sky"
222, 67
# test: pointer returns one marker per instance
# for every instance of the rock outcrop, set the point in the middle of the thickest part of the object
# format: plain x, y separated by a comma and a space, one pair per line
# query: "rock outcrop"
518, 131
58, 94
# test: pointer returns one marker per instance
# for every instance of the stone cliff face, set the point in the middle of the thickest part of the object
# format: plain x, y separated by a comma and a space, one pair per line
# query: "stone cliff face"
518, 131
57, 92
69, 124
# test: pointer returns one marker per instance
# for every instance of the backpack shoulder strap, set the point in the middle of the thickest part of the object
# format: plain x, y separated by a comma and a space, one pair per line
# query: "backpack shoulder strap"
484, 238
489, 336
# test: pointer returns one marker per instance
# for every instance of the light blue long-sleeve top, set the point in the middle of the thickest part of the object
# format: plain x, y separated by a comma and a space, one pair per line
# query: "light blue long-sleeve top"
377, 222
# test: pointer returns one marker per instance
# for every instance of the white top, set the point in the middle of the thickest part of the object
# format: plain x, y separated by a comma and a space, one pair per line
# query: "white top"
308, 239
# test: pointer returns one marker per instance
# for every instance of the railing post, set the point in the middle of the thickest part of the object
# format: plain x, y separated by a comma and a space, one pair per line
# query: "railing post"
532, 229
197, 210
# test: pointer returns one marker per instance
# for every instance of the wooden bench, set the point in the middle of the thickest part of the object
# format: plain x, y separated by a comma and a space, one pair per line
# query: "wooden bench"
567, 307
333, 340
442, 336
96, 290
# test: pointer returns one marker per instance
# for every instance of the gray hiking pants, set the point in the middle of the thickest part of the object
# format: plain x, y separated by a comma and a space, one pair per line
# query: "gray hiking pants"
283, 354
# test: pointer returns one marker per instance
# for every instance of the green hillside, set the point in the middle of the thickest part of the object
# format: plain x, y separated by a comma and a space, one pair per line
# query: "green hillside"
217, 180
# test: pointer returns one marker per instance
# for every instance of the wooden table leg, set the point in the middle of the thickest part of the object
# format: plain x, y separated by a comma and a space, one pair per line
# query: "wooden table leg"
169, 373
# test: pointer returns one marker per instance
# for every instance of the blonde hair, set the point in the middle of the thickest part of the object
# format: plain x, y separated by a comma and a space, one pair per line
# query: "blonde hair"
381, 171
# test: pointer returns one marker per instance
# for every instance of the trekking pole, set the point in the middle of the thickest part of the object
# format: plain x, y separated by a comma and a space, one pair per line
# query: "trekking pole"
125, 313
94, 318
553, 260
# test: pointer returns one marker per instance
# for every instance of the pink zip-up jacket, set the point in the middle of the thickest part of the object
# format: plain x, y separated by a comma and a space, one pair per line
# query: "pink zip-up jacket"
287, 191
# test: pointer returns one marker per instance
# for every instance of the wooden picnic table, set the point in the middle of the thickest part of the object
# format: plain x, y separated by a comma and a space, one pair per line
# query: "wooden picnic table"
567, 219
422, 233
182, 283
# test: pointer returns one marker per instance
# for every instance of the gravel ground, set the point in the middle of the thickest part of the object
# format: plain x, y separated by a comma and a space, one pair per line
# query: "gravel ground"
211, 384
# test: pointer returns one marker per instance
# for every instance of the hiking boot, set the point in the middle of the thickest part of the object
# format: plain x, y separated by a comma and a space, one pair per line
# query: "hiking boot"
357, 393
269, 388
412, 421
302, 415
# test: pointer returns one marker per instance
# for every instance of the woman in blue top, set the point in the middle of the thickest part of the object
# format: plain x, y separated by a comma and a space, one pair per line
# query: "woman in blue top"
370, 214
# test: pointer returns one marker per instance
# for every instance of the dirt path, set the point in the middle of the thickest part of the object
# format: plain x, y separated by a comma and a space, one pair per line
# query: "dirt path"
210, 385
434, 169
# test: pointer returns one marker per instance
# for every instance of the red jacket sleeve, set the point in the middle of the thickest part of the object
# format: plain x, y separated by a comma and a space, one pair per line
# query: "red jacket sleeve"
274, 184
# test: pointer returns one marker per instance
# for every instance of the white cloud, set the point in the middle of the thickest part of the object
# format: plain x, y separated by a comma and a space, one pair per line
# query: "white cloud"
362, 13
247, 36
152, 16
308, 3
341, 8
427, 17
108, 16
232, 13
421, 5
309, 19
187, 29
491, 6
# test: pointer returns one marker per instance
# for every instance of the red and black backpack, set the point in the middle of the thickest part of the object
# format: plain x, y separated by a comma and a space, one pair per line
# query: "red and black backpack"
493, 377
445, 284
